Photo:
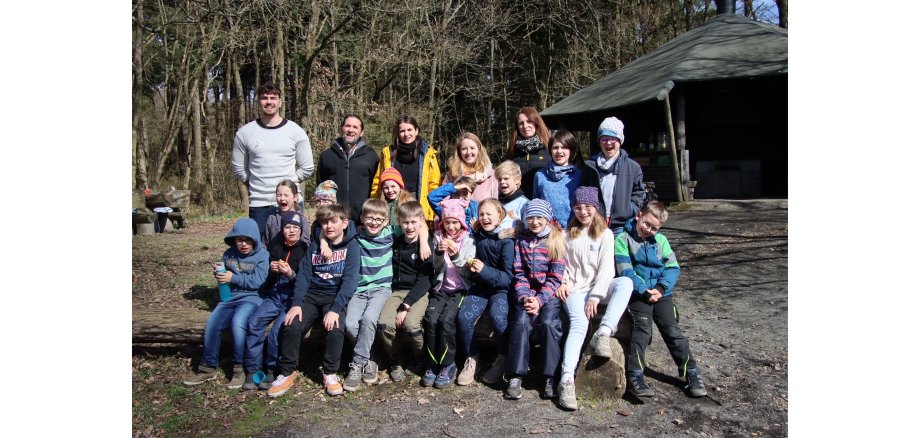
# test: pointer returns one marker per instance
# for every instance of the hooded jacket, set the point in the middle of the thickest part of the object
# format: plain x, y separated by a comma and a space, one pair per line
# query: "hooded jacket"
649, 263
429, 175
497, 254
351, 174
444, 192
628, 192
337, 277
277, 283
250, 270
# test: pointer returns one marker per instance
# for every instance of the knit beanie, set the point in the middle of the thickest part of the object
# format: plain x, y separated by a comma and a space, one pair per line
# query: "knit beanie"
326, 190
587, 195
454, 208
537, 207
612, 127
392, 174
293, 218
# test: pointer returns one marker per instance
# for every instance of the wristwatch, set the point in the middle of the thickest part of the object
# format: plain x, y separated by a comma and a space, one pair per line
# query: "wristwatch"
403, 307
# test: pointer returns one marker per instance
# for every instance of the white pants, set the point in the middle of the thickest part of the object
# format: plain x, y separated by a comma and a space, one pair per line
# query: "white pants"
617, 299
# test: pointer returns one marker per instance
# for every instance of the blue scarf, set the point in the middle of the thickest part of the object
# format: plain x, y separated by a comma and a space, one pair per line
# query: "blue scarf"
557, 172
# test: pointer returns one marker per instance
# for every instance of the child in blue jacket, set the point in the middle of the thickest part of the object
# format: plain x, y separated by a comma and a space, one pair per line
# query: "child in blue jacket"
246, 261
644, 255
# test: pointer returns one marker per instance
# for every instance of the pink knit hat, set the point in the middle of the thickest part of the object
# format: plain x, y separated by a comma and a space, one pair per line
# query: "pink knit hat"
454, 208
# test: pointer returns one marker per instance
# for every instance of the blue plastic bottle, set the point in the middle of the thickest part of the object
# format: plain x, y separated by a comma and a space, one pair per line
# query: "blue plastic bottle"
222, 288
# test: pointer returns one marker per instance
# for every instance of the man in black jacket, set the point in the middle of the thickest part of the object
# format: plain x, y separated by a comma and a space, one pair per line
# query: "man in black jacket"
352, 164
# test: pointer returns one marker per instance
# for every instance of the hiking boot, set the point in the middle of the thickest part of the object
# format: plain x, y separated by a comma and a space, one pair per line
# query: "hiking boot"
250, 383
266, 383
397, 373
445, 376
695, 383
600, 344
239, 376
496, 372
370, 372
429, 378
514, 392
331, 382
203, 374
567, 398
549, 388
635, 385
282, 384
468, 374
353, 379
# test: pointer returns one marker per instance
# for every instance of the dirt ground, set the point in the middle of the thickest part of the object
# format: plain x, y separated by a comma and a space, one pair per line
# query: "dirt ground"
732, 294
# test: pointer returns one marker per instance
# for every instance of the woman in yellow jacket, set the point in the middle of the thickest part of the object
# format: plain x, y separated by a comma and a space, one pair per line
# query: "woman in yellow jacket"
415, 159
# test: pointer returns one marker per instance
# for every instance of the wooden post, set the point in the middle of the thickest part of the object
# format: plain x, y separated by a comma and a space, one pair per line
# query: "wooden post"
672, 147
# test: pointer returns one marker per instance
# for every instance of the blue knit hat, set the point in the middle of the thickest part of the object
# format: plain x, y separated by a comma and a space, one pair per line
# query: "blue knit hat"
293, 218
537, 207
586, 195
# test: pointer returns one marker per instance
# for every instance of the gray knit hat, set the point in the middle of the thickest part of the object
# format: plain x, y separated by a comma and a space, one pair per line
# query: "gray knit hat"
612, 127
537, 207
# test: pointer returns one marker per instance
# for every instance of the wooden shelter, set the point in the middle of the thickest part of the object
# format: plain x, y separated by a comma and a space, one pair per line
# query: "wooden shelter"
718, 91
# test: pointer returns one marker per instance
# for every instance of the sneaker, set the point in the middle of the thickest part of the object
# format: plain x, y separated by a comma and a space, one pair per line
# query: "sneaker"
282, 384
635, 385
429, 378
601, 345
513, 392
239, 376
445, 376
496, 372
267, 381
370, 372
203, 374
331, 382
468, 374
695, 383
250, 383
397, 373
353, 379
549, 388
567, 398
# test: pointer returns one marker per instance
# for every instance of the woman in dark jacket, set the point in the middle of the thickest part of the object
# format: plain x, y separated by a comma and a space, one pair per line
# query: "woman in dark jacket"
528, 146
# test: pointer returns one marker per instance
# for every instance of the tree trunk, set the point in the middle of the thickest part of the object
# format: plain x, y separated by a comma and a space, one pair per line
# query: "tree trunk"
749, 9
782, 12
196, 156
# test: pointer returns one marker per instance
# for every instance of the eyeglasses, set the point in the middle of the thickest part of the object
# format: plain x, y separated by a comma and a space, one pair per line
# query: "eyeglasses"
607, 139
651, 227
375, 220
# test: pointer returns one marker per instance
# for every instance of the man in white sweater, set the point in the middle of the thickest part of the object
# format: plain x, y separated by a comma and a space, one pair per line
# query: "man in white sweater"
267, 151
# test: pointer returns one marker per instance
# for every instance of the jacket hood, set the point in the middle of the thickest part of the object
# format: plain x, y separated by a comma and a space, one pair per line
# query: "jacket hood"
350, 234
245, 227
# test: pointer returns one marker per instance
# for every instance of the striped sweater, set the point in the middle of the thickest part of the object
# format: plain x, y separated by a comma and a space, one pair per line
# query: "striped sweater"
535, 274
649, 263
377, 258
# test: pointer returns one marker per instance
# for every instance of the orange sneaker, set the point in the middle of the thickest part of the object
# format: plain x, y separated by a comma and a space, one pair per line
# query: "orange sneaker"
332, 384
282, 384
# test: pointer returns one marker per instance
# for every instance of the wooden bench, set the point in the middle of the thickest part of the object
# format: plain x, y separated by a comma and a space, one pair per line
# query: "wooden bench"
144, 220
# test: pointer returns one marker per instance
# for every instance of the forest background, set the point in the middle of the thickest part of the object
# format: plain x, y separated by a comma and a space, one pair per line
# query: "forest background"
455, 65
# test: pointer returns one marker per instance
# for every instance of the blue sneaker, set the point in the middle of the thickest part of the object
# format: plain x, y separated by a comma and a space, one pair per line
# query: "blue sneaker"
445, 376
429, 378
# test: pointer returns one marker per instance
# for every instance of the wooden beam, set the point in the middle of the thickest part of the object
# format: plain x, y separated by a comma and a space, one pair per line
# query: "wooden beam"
672, 148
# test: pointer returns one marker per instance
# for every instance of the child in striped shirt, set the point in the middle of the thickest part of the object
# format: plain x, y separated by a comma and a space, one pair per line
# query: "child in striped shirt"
375, 280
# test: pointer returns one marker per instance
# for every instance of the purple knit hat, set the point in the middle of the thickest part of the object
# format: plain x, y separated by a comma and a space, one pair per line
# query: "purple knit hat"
587, 195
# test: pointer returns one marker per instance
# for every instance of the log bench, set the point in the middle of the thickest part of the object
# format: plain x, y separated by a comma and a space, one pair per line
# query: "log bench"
598, 376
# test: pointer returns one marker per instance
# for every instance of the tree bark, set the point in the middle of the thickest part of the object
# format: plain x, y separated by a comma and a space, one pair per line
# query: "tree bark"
782, 12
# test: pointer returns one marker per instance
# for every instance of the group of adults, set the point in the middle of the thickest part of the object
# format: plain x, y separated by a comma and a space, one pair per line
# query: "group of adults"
271, 149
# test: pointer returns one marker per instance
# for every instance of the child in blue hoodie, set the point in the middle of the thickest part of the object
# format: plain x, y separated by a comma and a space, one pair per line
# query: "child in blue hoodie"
322, 290
247, 267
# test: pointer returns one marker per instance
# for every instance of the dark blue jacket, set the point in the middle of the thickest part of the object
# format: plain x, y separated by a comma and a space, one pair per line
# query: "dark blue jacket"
498, 257
338, 277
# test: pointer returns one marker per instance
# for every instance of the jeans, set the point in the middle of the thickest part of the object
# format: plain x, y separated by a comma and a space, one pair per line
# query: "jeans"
315, 307
616, 300
411, 329
260, 215
664, 314
272, 309
232, 314
472, 307
547, 328
361, 317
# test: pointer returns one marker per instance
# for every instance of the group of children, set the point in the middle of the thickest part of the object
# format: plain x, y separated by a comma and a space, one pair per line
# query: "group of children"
390, 280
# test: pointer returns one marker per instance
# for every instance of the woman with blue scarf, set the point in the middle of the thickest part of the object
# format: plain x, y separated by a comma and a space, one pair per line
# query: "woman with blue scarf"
557, 181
